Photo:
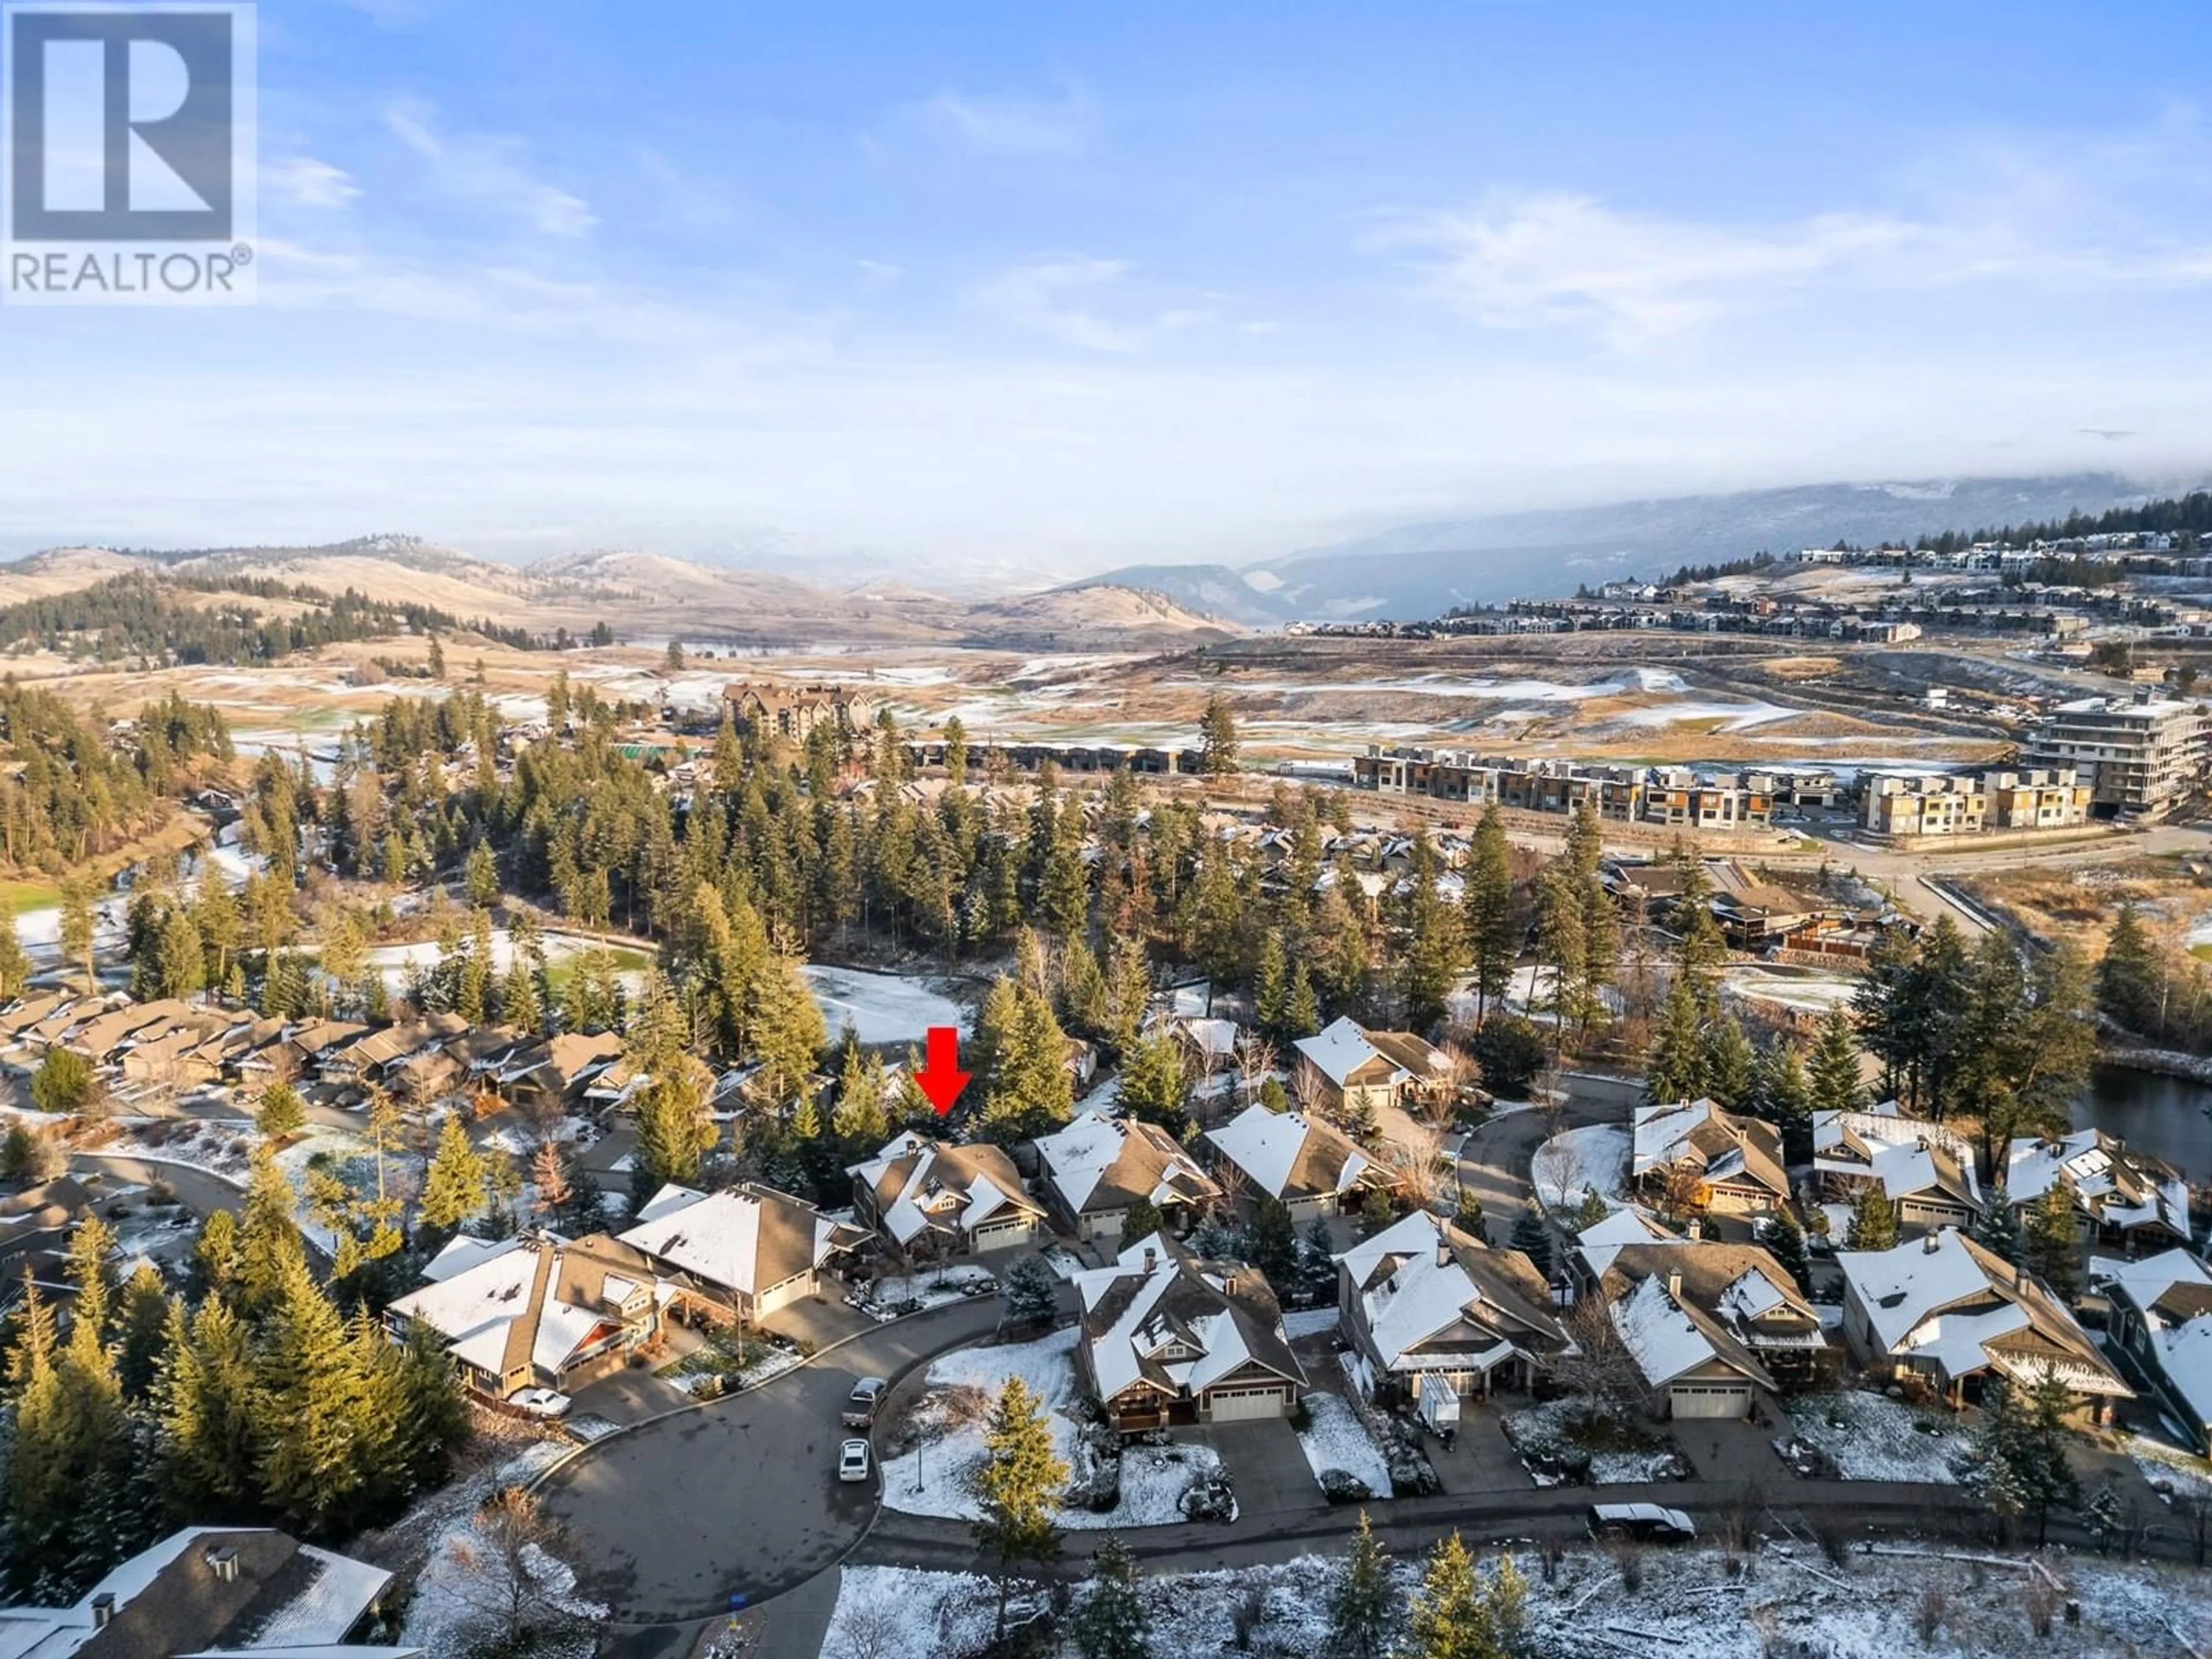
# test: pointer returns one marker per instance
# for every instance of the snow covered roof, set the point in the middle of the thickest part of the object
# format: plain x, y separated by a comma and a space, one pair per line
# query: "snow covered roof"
1428, 1295
1665, 1341
1601, 1243
1101, 1164
2117, 1187
1341, 1048
538, 1299
916, 1184
745, 1239
1179, 1326
1946, 1299
1723, 1146
2185, 1354
1288, 1156
280, 1597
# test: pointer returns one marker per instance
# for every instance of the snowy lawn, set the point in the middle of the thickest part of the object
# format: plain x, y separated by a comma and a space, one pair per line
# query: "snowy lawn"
457, 1603
941, 1443
223, 1149
890, 1298
1556, 1447
1335, 1438
1874, 1437
2169, 1469
1568, 1163
730, 1361
881, 1007
1787, 1601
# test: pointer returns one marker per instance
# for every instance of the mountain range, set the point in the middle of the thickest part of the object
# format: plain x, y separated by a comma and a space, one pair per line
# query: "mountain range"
1421, 570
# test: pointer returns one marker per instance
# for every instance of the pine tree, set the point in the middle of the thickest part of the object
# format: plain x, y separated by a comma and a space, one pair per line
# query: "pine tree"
145, 1308
1873, 1221
1364, 1607
1153, 1085
269, 1245
1675, 1068
1491, 936
1834, 1072
1303, 1017
480, 877
520, 1004
1271, 985
2051, 1246
14, 962
859, 1122
1218, 740
1018, 1487
281, 1112
1534, 1240
1785, 1098
676, 1129
454, 1185
2130, 980
1785, 1242
1273, 1243
214, 1256
1449, 1618
314, 1406
1111, 1623
1731, 1064
2018, 1464
207, 1404
1997, 1227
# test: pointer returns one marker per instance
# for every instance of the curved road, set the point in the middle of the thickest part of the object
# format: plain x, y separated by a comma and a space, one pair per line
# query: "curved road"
670, 1520
1494, 1159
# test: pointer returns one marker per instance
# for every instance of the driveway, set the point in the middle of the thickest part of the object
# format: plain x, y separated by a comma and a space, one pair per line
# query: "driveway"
740, 1497
1273, 1479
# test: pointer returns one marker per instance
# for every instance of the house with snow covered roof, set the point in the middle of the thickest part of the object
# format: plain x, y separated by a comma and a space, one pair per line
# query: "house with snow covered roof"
1167, 1340
1310, 1167
1710, 1325
1098, 1166
1595, 1245
930, 1199
1734, 1162
739, 1254
1422, 1300
537, 1311
2161, 1326
212, 1592
1948, 1312
554, 1071
1927, 1171
1205, 1044
2124, 1198
1345, 1068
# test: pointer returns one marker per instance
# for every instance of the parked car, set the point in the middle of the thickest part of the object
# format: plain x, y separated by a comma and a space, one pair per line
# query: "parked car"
862, 1404
540, 1402
1651, 1523
852, 1460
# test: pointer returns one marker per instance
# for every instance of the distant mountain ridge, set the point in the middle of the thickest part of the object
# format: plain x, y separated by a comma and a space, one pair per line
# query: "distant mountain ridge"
1420, 570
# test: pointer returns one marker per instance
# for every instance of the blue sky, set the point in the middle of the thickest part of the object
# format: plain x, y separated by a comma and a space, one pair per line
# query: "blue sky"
1038, 290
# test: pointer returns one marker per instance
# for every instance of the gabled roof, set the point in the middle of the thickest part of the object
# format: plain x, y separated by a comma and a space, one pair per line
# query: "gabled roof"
1430, 1296
533, 1300
1179, 1326
745, 1239
1683, 1303
1723, 1146
1101, 1164
1946, 1299
1341, 1049
2115, 1185
1288, 1156
918, 1185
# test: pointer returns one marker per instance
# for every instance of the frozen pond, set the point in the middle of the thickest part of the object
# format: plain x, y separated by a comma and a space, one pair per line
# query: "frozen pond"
393, 961
881, 1007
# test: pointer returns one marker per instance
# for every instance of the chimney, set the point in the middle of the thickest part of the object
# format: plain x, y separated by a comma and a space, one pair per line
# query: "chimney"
1443, 1251
103, 1609
1932, 1243
1674, 1285
1697, 1227
222, 1561
1152, 1258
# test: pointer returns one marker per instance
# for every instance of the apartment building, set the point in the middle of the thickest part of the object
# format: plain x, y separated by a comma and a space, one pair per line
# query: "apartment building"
2139, 753
1622, 794
1904, 804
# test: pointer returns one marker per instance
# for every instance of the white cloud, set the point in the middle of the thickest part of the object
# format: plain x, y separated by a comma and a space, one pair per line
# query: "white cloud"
1059, 297
487, 170
1009, 126
306, 182
878, 275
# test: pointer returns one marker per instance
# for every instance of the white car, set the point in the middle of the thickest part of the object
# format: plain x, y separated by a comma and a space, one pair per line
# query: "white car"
540, 1402
852, 1460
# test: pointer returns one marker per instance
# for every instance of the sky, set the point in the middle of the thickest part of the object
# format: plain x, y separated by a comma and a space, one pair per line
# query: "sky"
1016, 292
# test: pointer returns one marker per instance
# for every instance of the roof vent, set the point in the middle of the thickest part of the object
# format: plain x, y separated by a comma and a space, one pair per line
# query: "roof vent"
222, 1561
1932, 1243
1152, 1258
1673, 1284
103, 1609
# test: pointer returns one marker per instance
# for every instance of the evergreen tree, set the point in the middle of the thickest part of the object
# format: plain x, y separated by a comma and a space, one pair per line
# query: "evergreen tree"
1997, 1227
1493, 937
1271, 985
1873, 1221
145, 1310
1731, 1065
1029, 1290
269, 1246
315, 1413
480, 877
65, 1082
1534, 1240
1153, 1086
2130, 981
1785, 1242
2019, 1461
206, 1402
281, 1112
1218, 741
1675, 1068
1454, 1616
1834, 1072
77, 926
1140, 1222
1111, 1623
676, 1128
1364, 1606
2052, 1245
453, 1188
1018, 1487
859, 1122
14, 962
1273, 1243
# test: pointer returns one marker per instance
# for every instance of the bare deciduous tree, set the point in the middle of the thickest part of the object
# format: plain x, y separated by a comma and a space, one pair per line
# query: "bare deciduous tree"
1558, 1174
1412, 1161
871, 1628
1255, 1059
1596, 1366
508, 1571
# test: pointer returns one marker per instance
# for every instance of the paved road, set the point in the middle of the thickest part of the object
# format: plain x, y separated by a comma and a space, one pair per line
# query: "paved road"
196, 1189
1494, 1159
670, 1520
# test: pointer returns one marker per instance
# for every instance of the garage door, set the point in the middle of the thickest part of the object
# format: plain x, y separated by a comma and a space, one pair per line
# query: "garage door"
1710, 1399
1244, 1405
997, 1235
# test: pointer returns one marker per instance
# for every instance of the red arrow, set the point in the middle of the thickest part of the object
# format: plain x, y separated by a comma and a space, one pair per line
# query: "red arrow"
940, 1076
